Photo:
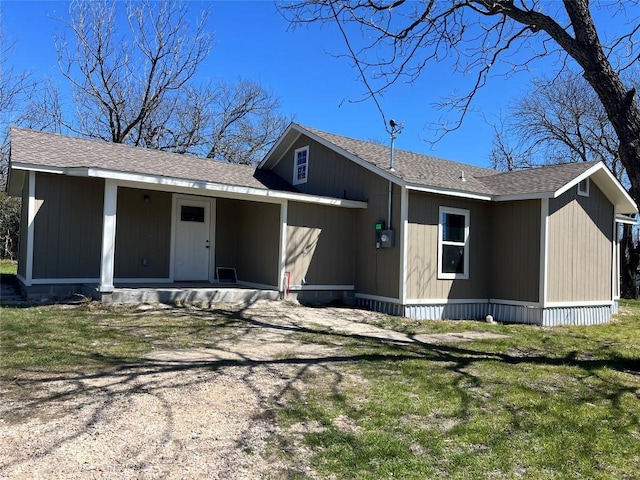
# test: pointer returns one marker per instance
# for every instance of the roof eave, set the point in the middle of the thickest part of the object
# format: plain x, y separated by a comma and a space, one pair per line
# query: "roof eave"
277, 151
449, 192
220, 189
610, 186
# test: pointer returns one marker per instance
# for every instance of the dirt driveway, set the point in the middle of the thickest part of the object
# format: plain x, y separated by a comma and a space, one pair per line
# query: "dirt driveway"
204, 413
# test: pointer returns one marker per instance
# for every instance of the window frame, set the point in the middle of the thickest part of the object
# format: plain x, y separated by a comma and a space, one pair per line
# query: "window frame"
441, 242
583, 192
297, 180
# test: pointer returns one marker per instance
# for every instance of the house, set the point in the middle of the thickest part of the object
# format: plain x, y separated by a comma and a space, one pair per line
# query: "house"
324, 217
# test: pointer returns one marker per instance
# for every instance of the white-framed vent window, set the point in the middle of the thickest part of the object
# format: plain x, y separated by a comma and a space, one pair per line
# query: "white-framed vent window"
453, 243
583, 187
300, 165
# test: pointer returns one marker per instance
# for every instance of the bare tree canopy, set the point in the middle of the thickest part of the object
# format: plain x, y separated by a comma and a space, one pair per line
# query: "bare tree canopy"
390, 40
558, 120
119, 81
138, 85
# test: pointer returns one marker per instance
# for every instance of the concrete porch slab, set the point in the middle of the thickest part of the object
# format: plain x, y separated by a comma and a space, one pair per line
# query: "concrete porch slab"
187, 293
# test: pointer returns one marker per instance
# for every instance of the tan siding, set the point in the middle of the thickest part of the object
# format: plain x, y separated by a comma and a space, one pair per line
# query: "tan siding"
378, 270
68, 227
143, 234
24, 219
258, 242
330, 174
248, 239
320, 244
515, 232
580, 236
226, 232
422, 249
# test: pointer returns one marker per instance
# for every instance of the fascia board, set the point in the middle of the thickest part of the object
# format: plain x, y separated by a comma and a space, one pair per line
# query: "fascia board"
450, 193
272, 151
273, 196
623, 200
372, 168
522, 196
578, 179
38, 168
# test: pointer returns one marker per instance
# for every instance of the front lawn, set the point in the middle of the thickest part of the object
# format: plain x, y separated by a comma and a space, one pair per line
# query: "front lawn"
541, 403
545, 403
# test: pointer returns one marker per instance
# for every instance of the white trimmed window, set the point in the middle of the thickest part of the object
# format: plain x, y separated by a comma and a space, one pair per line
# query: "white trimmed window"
583, 188
300, 165
453, 243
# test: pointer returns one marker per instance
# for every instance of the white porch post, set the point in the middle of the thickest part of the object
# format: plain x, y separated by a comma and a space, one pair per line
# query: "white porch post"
283, 245
108, 236
404, 234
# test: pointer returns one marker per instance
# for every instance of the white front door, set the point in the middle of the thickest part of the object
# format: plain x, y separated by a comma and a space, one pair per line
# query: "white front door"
192, 242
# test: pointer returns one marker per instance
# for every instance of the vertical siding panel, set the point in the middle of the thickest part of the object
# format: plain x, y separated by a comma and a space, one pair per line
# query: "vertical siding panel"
258, 242
320, 246
422, 254
143, 232
580, 237
63, 247
24, 220
378, 270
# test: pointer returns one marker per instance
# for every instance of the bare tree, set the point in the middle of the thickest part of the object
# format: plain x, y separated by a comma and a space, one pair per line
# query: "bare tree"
558, 120
14, 89
246, 123
119, 82
139, 87
235, 123
393, 39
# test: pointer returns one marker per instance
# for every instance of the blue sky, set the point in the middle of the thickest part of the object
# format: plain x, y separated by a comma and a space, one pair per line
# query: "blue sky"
253, 41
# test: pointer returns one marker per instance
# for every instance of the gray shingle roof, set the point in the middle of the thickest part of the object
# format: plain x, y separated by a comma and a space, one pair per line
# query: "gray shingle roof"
53, 150
427, 171
413, 167
535, 180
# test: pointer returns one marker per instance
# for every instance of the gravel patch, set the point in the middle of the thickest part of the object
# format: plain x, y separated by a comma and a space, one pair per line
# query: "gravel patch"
184, 414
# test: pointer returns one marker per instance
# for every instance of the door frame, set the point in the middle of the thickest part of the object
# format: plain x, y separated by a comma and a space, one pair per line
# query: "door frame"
212, 232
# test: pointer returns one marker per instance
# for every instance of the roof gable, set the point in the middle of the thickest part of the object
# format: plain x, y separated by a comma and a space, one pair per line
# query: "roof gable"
425, 173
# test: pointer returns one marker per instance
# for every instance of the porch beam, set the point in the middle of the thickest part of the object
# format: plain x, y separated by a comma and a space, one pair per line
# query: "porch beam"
108, 236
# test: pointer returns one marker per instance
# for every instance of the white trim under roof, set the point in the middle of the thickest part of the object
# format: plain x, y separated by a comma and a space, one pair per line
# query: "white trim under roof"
220, 189
449, 193
582, 176
276, 145
594, 172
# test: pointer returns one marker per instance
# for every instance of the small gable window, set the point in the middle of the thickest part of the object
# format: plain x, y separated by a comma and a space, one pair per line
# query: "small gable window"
453, 243
583, 188
300, 165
